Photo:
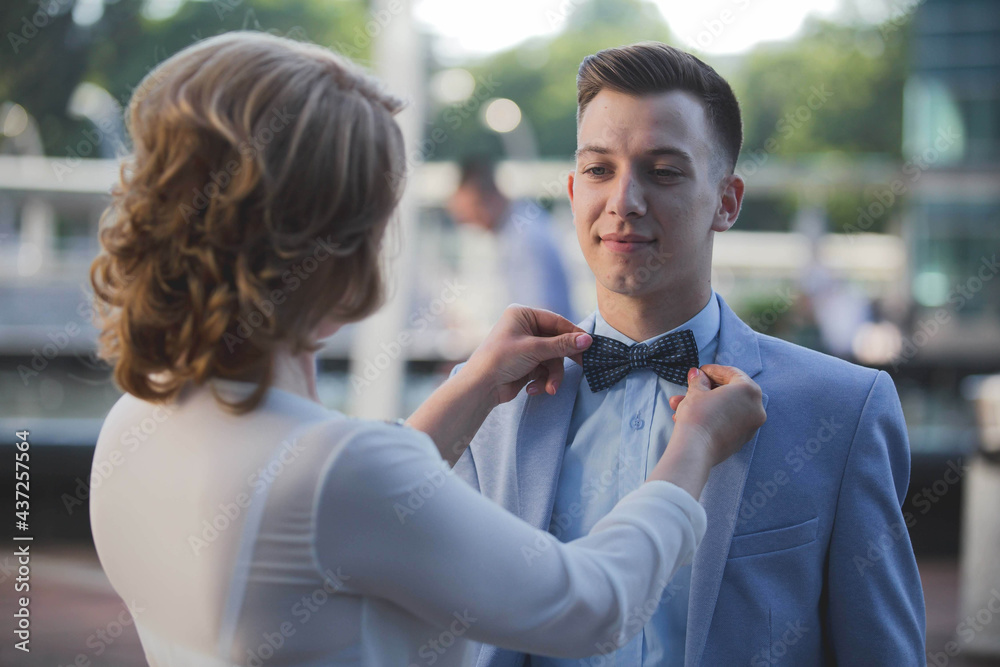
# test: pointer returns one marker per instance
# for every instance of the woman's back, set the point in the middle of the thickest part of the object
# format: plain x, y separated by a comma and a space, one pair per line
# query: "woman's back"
206, 520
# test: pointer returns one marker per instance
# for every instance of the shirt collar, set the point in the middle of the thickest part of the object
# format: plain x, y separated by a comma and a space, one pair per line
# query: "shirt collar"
704, 326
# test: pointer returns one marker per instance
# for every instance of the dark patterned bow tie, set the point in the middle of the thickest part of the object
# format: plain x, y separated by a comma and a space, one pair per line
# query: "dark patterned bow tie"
607, 360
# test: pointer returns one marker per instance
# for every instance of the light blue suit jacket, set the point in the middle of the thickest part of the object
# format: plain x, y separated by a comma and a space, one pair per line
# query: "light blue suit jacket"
806, 560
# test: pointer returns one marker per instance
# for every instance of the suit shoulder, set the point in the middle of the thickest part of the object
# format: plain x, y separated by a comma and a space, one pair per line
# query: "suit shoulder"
803, 367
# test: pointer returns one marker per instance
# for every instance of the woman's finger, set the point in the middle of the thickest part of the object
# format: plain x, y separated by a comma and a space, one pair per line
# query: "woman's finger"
547, 323
674, 401
554, 367
569, 345
724, 374
536, 380
698, 381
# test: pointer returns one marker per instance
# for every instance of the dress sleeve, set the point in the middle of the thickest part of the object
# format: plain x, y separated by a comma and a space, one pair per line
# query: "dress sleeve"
394, 522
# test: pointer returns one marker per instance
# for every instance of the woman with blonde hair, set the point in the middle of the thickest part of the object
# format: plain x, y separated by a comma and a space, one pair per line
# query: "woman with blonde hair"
245, 524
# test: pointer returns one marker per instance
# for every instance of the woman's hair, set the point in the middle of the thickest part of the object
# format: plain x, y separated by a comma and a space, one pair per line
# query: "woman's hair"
263, 177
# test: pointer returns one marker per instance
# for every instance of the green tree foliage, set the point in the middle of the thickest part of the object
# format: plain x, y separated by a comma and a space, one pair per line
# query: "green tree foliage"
41, 72
540, 75
862, 74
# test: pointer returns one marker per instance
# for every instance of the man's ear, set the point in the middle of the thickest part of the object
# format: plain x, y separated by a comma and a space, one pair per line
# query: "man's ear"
569, 188
730, 201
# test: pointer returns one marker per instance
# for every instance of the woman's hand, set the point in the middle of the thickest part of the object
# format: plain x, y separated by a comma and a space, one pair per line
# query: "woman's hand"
728, 412
712, 424
526, 347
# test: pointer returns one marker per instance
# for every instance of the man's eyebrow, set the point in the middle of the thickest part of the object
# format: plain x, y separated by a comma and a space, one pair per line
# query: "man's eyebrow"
655, 150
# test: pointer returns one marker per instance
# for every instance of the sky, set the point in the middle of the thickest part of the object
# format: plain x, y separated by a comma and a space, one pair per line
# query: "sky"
473, 28
470, 28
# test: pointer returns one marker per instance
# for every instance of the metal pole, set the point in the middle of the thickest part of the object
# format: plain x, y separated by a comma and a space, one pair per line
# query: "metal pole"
378, 361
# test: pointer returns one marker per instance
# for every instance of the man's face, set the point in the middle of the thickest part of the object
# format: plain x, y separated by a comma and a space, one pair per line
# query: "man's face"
649, 190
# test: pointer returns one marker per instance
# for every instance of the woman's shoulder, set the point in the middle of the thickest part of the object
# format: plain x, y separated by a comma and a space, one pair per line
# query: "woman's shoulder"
369, 438
363, 457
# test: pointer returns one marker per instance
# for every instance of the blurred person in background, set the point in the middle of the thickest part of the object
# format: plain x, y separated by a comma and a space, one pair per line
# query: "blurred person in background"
531, 266
807, 559
250, 524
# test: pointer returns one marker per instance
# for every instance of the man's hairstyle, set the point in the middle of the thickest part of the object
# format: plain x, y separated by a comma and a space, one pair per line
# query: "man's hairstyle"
263, 177
650, 68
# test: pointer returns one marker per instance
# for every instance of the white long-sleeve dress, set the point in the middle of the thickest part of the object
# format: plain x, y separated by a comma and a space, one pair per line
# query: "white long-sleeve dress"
296, 535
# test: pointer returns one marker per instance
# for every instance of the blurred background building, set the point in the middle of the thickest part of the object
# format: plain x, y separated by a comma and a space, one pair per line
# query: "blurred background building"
869, 230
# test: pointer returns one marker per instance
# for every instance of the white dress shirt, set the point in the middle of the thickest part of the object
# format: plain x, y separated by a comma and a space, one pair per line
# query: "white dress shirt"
295, 535
616, 437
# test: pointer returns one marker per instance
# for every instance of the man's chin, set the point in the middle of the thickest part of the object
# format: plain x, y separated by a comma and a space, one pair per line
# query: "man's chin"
629, 286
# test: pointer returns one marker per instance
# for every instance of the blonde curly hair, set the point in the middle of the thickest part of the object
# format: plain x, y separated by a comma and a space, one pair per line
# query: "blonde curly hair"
253, 208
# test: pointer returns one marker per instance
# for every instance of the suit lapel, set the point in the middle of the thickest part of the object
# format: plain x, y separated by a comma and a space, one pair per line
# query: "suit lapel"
541, 443
722, 494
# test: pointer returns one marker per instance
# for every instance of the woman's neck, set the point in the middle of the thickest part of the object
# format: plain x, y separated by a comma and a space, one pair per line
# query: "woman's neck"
295, 373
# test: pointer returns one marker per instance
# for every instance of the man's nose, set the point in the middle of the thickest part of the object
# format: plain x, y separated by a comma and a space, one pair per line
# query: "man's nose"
627, 200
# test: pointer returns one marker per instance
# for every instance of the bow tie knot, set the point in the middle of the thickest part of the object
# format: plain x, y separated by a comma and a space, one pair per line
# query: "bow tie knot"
638, 355
607, 360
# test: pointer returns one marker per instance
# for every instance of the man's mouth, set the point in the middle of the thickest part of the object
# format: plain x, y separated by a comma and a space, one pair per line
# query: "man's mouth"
626, 243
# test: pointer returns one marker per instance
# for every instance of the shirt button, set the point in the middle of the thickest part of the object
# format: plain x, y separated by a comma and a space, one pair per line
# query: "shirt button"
637, 422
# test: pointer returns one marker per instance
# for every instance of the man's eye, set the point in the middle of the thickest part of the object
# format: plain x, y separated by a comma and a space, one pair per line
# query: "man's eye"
666, 173
597, 171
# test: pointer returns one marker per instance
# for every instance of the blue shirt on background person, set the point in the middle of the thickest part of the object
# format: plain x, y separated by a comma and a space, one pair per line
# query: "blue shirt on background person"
530, 262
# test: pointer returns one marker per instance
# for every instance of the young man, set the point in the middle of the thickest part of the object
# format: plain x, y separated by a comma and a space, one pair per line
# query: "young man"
806, 560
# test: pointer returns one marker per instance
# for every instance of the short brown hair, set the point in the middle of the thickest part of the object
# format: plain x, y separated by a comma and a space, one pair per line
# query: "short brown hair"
263, 177
652, 67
